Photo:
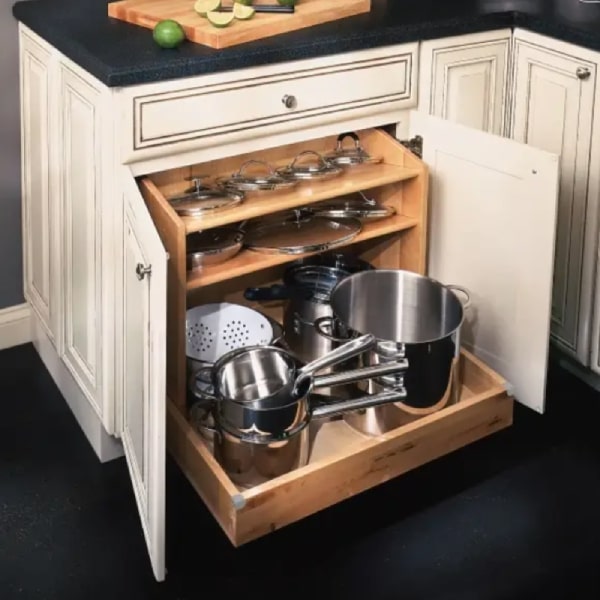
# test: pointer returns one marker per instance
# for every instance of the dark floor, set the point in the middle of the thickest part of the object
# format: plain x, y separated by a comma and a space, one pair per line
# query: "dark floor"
513, 516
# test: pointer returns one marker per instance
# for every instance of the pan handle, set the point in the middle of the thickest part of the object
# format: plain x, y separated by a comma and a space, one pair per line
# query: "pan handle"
348, 350
357, 375
341, 407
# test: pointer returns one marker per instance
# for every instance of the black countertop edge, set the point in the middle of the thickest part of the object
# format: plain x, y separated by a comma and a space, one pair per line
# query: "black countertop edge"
329, 42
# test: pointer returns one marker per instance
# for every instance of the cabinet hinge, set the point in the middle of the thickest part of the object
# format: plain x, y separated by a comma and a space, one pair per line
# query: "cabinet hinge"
415, 145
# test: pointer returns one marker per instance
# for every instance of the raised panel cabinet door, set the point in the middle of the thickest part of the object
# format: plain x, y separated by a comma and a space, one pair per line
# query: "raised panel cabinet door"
143, 379
553, 104
39, 209
492, 225
81, 222
465, 80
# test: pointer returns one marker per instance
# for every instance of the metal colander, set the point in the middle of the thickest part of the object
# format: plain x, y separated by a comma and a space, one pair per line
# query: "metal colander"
212, 330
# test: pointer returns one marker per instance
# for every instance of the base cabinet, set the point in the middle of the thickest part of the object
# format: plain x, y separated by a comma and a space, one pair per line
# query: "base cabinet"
554, 96
41, 256
342, 461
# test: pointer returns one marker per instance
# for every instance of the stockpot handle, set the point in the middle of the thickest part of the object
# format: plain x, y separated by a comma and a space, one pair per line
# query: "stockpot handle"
343, 406
320, 325
462, 290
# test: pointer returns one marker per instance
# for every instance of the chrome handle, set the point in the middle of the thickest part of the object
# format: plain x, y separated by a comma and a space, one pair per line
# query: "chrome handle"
583, 73
356, 375
142, 270
338, 408
289, 101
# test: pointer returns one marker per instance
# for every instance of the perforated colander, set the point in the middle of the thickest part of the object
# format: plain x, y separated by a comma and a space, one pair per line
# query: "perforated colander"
212, 330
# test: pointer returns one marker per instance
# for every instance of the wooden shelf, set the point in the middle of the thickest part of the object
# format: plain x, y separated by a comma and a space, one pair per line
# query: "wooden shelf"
248, 261
257, 204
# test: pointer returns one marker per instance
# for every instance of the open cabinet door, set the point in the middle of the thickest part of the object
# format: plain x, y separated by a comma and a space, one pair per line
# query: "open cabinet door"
493, 206
144, 368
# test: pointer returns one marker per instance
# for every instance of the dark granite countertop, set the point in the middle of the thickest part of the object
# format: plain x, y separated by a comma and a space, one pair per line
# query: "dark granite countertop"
119, 54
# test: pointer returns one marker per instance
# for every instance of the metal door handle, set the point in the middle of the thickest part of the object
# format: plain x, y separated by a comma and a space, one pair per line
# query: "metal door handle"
583, 73
289, 101
142, 270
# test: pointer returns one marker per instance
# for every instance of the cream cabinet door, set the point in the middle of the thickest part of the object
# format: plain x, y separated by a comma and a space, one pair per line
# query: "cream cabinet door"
553, 105
143, 379
40, 211
465, 79
81, 184
492, 223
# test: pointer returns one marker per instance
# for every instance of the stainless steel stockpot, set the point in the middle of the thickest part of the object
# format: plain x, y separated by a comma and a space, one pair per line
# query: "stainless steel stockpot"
414, 318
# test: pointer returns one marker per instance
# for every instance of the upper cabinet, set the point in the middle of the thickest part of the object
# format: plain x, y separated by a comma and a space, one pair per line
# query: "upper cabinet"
464, 79
553, 103
40, 222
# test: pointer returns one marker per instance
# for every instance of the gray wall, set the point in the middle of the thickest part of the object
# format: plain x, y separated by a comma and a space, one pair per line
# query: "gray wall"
11, 280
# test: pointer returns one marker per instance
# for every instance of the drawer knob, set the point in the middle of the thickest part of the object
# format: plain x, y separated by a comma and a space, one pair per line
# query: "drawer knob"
289, 101
583, 73
142, 270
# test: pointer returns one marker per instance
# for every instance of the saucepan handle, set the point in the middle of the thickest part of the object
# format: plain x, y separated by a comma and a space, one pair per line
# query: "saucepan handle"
199, 418
203, 374
356, 375
344, 406
466, 302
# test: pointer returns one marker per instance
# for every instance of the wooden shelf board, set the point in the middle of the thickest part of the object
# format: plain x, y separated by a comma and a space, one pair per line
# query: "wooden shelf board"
248, 261
261, 203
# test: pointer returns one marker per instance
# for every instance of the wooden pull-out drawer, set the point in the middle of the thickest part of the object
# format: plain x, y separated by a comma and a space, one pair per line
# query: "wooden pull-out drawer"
343, 463
212, 111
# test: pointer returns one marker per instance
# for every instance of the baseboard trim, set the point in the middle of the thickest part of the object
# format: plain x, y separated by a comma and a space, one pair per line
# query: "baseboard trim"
15, 325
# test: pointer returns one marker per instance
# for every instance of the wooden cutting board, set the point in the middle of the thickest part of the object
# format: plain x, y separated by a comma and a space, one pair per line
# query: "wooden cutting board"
147, 13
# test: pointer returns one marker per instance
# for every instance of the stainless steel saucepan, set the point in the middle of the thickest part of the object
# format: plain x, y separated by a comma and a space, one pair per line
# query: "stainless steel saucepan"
262, 395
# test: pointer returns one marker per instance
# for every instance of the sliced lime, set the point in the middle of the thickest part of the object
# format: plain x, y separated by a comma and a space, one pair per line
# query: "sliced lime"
220, 19
242, 12
204, 6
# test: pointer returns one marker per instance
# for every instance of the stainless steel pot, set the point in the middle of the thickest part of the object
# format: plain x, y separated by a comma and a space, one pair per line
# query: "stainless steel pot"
414, 318
261, 395
307, 285
249, 463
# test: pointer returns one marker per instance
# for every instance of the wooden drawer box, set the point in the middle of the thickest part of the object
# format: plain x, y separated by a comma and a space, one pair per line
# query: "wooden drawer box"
343, 462
211, 111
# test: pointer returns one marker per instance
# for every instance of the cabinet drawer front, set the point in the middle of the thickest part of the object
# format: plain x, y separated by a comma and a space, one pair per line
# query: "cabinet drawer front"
214, 112
346, 468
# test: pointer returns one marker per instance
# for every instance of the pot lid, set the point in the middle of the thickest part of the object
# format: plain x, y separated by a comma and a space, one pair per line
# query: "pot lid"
356, 206
213, 240
350, 155
317, 168
309, 234
265, 180
200, 199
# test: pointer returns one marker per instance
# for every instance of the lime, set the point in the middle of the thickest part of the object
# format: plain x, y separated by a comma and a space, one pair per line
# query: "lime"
242, 12
288, 2
220, 19
204, 6
168, 33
